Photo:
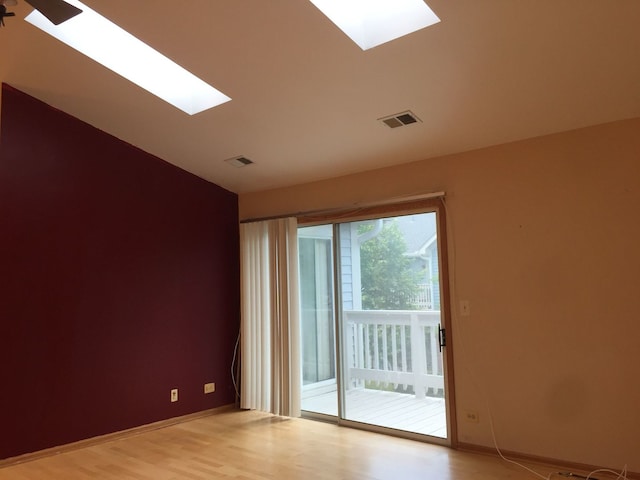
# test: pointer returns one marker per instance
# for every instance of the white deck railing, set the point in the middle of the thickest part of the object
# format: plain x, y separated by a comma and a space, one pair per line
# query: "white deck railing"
424, 297
391, 348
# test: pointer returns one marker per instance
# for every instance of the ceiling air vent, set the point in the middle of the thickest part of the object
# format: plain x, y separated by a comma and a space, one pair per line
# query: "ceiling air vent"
239, 162
400, 119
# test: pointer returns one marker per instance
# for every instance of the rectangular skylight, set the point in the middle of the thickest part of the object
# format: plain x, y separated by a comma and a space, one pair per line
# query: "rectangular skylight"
98, 38
370, 23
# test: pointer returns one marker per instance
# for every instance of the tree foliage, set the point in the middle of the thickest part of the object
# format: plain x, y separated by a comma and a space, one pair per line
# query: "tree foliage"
388, 282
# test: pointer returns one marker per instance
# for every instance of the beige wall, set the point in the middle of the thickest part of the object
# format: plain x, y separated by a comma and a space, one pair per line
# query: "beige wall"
546, 237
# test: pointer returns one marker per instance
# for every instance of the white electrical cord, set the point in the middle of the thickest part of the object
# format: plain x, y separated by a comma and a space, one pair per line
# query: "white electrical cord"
619, 476
233, 368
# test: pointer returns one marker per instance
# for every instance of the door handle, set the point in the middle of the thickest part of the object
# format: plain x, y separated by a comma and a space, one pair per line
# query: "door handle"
442, 338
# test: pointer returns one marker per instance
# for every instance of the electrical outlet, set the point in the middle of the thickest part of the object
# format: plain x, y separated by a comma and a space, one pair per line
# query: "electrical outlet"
174, 395
209, 387
471, 416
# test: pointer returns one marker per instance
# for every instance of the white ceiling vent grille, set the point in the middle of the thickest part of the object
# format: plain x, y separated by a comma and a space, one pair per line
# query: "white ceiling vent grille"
400, 119
239, 162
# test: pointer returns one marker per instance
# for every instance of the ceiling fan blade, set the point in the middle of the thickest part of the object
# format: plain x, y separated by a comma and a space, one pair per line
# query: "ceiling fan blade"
57, 11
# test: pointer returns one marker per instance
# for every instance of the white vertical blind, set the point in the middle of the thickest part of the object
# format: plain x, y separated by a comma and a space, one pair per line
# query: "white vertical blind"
270, 325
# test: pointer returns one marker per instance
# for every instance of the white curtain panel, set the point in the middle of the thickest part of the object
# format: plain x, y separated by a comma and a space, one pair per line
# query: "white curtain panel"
270, 324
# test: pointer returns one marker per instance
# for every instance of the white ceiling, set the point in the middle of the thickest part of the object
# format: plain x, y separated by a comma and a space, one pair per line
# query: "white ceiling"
306, 98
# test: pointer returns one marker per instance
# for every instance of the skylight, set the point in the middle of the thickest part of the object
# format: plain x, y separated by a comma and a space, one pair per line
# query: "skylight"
108, 44
370, 23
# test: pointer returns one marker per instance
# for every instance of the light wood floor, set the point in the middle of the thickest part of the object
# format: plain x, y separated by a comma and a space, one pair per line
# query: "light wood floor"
254, 446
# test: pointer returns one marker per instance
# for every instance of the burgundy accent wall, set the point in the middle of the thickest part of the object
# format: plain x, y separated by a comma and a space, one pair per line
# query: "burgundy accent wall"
119, 280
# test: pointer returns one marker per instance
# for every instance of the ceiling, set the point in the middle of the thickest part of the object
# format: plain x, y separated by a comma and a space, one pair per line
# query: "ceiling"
306, 99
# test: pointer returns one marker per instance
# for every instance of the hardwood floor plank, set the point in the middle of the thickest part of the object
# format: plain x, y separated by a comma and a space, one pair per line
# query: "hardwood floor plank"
243, 445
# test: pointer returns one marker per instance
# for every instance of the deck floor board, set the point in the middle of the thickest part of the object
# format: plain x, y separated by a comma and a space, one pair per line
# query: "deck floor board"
401, 411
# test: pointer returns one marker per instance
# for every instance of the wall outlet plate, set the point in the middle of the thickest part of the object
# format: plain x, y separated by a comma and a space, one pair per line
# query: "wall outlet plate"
209, 387
174, 395
471, 416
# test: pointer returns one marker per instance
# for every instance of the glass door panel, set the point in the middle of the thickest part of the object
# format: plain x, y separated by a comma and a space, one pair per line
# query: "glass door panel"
391, 368
390, 316
319, 391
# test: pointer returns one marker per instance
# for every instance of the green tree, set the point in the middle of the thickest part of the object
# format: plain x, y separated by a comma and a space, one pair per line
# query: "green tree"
388, 282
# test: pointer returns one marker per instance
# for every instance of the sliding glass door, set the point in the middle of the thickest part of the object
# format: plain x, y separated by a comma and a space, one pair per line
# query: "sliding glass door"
319, 385
391, 357
386, 329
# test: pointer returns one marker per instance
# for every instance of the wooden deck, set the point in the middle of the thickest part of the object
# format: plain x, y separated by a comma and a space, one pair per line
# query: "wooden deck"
425, 416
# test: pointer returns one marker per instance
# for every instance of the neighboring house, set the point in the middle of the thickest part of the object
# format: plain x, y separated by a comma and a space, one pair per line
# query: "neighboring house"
420, 235
422, 246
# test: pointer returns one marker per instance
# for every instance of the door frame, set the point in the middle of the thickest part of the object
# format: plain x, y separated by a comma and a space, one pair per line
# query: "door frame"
430, 205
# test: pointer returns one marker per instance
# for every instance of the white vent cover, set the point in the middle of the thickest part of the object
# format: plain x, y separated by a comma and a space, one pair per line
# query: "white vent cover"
239, 162
400, 119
